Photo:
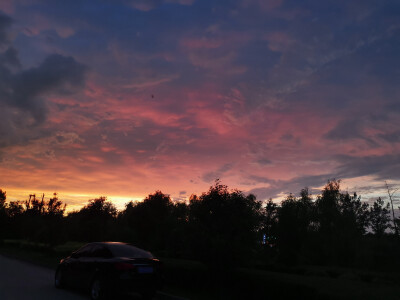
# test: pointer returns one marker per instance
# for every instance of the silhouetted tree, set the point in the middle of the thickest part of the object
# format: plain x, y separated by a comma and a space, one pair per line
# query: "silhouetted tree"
270, 223
3, 214
15, 209
99, 207
15, 215
224, 226
54, 207
397, 221
150, 221
354, 213
269, 231
37, 219
341, 221
94, 221
31, 223
295, 218
391, 193
379, 217
350, 227
220, 227
328, 208
34, 206
53, 231
328, 216
177, 244
3, 197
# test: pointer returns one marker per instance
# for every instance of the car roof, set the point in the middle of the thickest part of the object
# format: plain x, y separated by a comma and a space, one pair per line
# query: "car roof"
108, 243
113, 244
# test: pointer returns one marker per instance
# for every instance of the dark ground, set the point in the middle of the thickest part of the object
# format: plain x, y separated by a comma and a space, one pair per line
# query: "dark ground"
28, 279
21, 280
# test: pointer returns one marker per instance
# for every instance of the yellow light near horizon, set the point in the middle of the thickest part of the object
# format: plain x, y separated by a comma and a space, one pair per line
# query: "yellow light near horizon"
74, 201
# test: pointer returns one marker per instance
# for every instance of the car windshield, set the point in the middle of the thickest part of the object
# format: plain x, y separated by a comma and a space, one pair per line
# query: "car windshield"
125, 250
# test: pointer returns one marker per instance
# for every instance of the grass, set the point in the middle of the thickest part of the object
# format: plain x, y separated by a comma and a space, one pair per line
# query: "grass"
37, 258
192, 280
37, 253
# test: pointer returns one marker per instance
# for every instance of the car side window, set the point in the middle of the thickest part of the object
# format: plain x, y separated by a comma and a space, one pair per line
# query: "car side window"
85, 251
100, 252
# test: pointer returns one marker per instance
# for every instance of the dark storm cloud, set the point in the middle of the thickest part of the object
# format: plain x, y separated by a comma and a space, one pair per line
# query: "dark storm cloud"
10, 58
294, 186
23, 92
393, 137
261, 179
382, 167
348, 129
264, 161
27, 89
358, 127
394, 107
55, 73
217, 174
5, 23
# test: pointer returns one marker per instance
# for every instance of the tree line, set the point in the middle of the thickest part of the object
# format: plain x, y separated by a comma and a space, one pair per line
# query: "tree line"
222, 227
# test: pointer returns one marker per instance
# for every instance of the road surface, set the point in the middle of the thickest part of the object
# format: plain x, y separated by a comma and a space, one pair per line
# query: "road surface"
20, 280
24, 281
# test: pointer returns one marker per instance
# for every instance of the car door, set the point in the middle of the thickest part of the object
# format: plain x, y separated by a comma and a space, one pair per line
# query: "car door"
74, 267
101, 257
85, 267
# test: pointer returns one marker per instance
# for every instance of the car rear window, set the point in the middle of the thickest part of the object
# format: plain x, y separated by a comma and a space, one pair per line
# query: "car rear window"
124, 250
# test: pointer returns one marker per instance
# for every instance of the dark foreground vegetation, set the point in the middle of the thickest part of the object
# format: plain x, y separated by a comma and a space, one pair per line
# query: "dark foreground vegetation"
229, 245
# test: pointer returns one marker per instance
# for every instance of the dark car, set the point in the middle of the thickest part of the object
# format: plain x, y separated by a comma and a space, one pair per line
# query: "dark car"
109, 268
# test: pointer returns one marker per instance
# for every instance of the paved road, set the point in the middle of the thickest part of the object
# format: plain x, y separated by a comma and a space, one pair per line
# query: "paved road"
23, 281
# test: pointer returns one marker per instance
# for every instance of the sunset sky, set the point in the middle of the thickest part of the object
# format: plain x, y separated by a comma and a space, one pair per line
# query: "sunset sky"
124, 97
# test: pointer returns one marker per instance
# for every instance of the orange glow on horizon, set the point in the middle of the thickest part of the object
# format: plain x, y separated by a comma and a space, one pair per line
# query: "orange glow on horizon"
74, 201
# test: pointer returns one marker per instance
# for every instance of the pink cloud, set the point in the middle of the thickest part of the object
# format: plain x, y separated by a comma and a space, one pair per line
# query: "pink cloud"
7, 6
219, 39
38, 23
147, 5
207, 43
279, 41
217, 52
228, 132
